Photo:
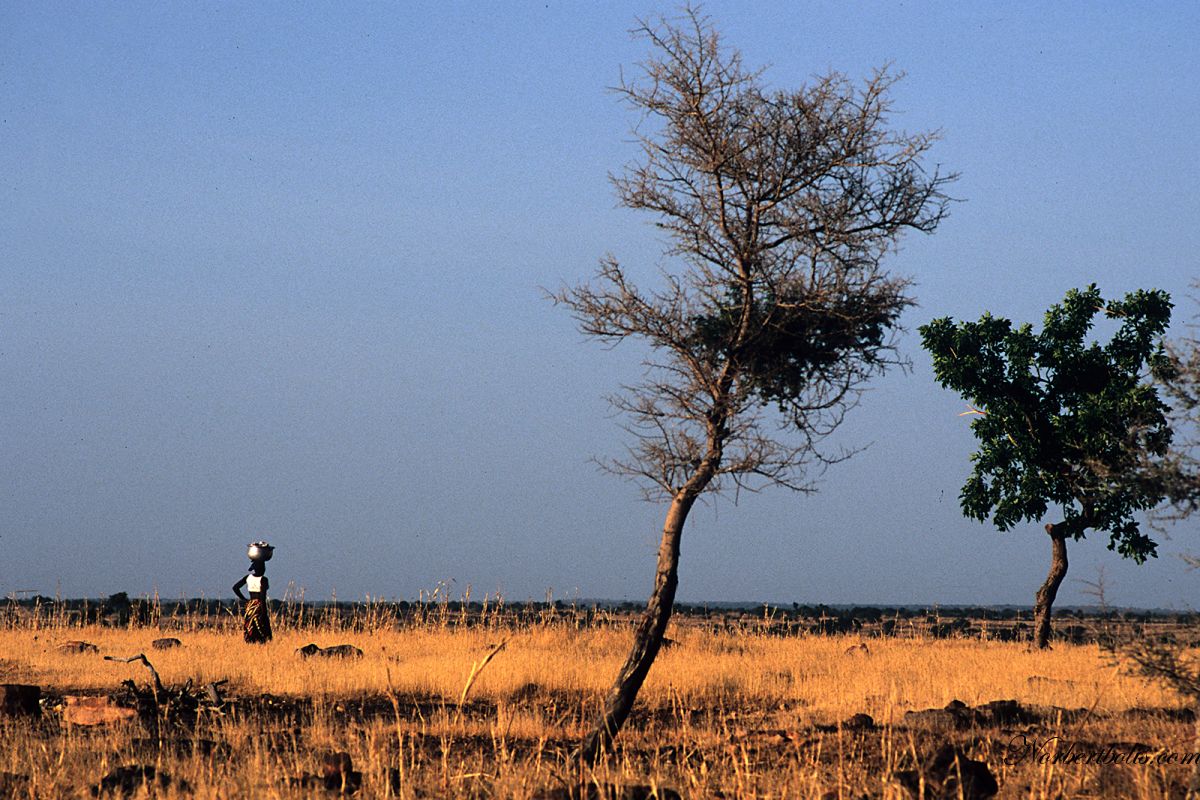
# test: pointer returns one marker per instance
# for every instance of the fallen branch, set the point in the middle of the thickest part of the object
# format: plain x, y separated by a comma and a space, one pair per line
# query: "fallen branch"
158, 687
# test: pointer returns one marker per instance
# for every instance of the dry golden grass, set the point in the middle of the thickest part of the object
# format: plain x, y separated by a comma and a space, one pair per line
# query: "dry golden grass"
713, 720
895, 676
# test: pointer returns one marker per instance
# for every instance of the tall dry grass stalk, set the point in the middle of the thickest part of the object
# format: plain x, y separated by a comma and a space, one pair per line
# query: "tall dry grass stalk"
445, 706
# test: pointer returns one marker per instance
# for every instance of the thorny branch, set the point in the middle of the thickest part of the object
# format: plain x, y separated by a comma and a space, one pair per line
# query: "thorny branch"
779, 207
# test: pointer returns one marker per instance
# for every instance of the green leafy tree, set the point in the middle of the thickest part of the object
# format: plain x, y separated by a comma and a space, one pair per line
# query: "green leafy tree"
1063, 421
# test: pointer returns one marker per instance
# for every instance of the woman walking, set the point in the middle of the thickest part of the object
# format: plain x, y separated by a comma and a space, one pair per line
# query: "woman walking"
256, 622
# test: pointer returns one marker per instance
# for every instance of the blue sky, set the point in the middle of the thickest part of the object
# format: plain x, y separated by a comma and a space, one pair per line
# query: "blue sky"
277, 271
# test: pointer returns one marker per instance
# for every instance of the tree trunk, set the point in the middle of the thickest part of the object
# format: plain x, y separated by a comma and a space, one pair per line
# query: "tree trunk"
649, 634
1049, 590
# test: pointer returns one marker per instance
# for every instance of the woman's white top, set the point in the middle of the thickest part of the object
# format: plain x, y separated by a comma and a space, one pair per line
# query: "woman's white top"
254, 583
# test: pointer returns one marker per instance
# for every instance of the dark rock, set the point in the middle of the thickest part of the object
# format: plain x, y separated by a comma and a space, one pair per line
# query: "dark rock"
341, 651
347, 782
942, 777
859, 722
337, 651
19, 699
338, 774
1005, 712
335, 763
957, 715
165, 643
78, 647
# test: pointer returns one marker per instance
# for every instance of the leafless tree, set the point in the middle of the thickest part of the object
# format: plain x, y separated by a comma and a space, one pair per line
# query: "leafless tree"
779, 208
1172, 662
1179, 472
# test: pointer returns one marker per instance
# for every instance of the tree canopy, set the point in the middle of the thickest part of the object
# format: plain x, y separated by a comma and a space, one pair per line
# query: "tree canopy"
1061, 418
773, 307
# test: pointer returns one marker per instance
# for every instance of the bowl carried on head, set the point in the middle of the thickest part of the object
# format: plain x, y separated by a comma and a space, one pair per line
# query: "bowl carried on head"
260, 551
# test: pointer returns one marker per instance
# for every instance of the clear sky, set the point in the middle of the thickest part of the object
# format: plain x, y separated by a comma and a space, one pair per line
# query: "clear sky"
276, 271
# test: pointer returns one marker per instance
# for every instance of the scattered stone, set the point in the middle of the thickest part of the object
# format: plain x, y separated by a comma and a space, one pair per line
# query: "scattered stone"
18, 699
942, 777
165, 643
859, 722
957, 715
78, 647
88, 710
608, 791
1002, 713
337, 651
128, 779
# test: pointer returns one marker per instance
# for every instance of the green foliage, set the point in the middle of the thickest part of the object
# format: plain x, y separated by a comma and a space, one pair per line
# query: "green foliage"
801, 336
1066, 420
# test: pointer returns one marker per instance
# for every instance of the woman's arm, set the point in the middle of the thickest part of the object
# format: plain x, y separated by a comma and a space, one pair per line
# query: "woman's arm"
237, 588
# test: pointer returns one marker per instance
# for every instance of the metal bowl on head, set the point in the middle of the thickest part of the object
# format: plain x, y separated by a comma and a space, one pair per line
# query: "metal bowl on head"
260, 551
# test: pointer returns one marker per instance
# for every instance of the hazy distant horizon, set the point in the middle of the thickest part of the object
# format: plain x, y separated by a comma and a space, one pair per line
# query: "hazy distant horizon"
716, 605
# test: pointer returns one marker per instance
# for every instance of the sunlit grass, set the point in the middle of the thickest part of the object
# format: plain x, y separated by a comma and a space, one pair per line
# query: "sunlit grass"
707, 699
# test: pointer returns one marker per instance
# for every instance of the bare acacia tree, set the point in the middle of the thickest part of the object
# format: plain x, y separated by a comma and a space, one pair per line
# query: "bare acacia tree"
779, 207
1178, 474
1173, 662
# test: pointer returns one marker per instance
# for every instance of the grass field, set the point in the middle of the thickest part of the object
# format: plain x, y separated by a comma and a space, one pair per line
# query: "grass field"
723, 714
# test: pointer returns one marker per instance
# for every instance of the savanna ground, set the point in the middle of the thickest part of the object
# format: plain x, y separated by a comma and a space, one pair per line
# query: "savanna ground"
733, 711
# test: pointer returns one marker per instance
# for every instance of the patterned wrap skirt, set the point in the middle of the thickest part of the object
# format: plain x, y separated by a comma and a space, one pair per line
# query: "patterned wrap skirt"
256, 625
